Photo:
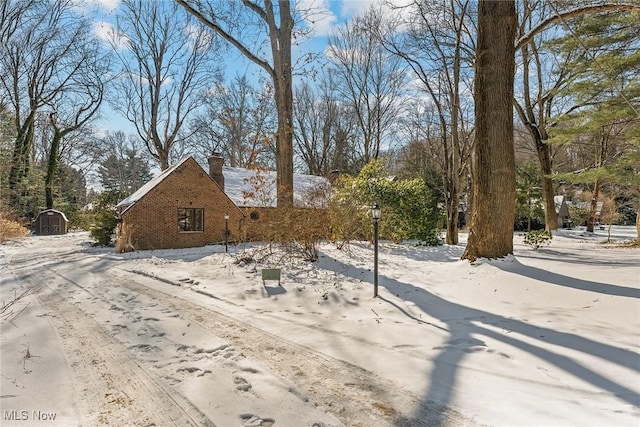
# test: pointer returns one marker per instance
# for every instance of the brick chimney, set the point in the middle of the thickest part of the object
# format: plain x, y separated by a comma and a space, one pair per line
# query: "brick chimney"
215, 169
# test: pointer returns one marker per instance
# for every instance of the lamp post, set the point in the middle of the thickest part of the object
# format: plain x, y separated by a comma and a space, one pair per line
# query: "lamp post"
226, 232
376, 211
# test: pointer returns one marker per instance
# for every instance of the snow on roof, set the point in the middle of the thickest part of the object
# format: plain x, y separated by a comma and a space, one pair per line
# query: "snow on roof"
257, 188
52, 211
558, 201
248, 187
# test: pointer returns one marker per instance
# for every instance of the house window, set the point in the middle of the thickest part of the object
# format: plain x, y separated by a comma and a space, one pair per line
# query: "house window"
190, 219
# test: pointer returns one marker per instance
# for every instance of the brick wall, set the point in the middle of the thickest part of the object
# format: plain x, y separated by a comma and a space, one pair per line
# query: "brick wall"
152, 223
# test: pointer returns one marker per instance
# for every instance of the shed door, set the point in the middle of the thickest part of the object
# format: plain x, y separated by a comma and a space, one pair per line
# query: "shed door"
50, 224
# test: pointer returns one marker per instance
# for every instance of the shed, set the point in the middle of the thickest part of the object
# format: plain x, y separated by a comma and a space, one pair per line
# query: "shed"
51, 221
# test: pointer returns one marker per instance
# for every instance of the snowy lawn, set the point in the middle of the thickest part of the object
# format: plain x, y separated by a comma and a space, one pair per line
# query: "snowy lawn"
544, 337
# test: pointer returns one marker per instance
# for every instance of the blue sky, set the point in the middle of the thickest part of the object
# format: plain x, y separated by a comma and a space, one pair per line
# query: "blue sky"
327, 15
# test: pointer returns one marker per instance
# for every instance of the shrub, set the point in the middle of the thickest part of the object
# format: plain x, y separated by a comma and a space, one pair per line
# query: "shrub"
537, 238
104, 224
103, 230
297, 230
11, 230
410, 208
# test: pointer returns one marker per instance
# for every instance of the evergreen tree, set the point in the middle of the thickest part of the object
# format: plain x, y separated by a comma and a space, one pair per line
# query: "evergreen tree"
410, 208
529, 212
603, 131
124, 174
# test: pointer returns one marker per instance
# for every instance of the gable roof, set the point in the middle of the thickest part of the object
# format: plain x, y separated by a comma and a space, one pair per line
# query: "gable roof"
246, 187
142, 191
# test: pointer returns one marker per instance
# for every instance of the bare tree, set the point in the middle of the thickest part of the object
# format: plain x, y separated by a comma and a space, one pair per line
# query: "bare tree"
243, 24
12, 16
166, 65
73, 109
237, 120
436, 42
317, 116
42, 60
370, 79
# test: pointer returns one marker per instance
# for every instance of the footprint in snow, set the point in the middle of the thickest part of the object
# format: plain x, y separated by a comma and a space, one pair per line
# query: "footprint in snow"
250, 420
242, 385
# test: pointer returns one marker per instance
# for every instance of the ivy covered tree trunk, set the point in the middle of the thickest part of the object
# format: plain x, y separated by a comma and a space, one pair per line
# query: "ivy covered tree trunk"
548, 193
20, 159
52, 167
494, 189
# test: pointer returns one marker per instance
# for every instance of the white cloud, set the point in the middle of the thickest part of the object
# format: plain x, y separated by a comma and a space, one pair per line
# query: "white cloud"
351, 8
317, 15
104, 5
86, 7
106, 32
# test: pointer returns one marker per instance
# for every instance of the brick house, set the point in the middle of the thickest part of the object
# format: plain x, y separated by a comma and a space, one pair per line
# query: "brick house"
182, 207
185, 207
254, 192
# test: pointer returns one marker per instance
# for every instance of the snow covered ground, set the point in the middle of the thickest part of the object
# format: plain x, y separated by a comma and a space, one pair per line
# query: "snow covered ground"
547, 337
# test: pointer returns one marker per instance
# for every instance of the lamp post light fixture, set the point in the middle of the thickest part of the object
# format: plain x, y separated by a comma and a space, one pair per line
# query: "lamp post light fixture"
376, 211
226, 232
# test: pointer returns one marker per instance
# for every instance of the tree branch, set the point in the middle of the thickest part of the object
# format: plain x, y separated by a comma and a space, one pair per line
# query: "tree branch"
571, 14
228, 37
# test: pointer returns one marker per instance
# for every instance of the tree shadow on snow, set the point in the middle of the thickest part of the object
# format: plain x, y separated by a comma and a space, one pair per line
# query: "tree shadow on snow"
567, 281
466, 328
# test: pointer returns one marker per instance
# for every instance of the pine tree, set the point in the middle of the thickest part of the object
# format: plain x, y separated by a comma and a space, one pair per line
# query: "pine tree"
603, 130
124, 175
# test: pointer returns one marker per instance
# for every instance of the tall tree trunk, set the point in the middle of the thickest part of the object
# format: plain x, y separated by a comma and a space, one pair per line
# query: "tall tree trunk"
456, 162
281, 47
548, 193
494, 189
638, 225
593, 206
52, 167
452, 212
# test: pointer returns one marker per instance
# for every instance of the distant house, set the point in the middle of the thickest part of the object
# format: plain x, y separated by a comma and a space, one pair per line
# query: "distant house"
562, 211
586, 206
185, 206
50, 221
